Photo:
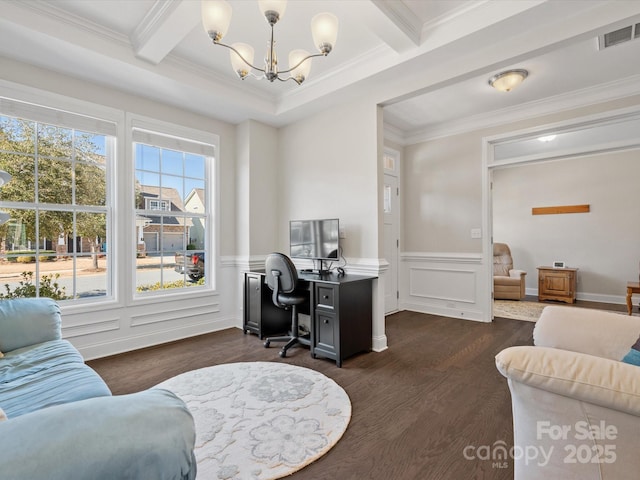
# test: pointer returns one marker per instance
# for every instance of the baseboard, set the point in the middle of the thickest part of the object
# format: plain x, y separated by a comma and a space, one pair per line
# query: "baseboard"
589, 297
122, 345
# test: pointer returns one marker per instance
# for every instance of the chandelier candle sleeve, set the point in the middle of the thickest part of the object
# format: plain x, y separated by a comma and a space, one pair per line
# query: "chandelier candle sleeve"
216, 18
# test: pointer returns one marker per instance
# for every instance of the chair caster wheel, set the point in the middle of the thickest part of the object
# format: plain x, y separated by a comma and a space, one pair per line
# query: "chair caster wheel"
267, 343
282, 354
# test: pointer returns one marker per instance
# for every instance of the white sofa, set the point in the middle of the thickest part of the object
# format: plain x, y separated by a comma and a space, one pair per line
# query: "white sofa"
576, 406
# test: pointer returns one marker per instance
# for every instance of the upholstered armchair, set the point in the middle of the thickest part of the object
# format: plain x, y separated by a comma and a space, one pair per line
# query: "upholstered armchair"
508, 284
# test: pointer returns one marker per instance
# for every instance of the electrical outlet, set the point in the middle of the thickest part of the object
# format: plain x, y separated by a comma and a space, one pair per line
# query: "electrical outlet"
476, 233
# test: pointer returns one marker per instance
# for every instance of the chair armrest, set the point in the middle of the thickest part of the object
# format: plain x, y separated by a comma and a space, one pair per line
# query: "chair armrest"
28, 321
147, 435
517, 273
595, 332
586, 378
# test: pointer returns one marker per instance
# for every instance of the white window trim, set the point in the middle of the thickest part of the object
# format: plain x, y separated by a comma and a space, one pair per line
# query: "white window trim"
138, 123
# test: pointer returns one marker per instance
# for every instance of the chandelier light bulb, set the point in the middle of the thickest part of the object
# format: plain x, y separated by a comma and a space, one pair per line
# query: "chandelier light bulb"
324, 28
299, 71
216, 17
240, 64
273, 10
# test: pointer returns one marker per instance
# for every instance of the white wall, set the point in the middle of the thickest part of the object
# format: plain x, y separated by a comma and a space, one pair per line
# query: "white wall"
330, 167
603, 243
442, 185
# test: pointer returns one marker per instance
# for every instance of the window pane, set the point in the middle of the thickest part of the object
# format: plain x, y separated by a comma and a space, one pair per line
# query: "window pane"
194, 166
16, 134
195, 233
49, 252
147, 158
55, 142
22, 186
54, 181
173, 241
91, 184
172, 162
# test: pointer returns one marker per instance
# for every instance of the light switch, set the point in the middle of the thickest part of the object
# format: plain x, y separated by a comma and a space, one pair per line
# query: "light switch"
476, 233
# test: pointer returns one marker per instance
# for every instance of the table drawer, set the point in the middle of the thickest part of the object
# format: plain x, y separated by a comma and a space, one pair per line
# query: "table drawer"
325, 296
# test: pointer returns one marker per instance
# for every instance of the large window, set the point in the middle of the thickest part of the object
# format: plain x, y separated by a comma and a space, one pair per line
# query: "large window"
56, 204
171, 211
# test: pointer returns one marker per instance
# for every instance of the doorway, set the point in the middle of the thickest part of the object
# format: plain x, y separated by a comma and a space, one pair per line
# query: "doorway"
391, 196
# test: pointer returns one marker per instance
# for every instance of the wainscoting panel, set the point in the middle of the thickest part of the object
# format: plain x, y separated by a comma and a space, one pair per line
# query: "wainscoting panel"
447, 284
443, 284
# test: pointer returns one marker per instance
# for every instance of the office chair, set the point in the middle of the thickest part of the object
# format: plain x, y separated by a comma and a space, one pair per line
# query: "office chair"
282, 279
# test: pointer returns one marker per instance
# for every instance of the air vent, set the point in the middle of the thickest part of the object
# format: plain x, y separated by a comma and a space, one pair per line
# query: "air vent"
619, 36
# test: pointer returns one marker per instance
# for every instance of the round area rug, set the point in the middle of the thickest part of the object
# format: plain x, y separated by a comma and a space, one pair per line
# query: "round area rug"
261, 420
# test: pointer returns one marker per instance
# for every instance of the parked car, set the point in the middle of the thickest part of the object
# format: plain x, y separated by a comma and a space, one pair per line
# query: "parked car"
192, 264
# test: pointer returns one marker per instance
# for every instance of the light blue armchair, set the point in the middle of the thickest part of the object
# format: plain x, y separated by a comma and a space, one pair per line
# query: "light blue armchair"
62, 421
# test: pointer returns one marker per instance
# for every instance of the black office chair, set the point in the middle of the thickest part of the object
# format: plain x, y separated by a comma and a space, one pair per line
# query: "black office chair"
282, 278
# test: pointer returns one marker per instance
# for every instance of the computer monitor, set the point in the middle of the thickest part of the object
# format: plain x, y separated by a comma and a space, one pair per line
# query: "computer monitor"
315, 239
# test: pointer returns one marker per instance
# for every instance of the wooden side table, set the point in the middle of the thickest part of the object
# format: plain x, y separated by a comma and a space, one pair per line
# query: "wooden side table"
632, 287
557, 284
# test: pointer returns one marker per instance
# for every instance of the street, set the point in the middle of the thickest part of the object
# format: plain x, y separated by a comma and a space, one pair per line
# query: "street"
89, 282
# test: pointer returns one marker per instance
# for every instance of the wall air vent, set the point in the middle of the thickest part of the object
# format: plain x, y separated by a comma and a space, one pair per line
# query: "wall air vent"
619, 36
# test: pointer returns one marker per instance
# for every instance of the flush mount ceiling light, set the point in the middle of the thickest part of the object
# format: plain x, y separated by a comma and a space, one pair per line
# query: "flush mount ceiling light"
216, 16
507, 81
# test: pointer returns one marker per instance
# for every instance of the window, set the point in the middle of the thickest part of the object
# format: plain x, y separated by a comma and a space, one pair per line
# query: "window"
157, 204
171, 211
57, 203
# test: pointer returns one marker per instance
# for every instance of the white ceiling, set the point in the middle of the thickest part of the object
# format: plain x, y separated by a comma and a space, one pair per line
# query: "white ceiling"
426, 61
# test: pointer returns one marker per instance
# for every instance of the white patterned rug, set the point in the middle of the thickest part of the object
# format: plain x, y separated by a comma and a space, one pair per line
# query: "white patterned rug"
261, 420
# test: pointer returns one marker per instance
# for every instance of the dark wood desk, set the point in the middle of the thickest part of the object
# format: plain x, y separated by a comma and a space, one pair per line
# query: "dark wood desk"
340, 311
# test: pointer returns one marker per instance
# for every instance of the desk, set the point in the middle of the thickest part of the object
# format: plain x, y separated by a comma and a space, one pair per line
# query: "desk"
340, 311
632, 287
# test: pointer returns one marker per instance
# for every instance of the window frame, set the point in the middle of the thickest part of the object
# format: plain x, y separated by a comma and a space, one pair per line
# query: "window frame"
153, 127
44, 109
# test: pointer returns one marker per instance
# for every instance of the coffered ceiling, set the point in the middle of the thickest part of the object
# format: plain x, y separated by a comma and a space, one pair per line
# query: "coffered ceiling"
426, 61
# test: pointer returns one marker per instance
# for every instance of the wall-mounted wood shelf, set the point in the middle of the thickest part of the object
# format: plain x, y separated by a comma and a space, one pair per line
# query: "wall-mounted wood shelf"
560, 209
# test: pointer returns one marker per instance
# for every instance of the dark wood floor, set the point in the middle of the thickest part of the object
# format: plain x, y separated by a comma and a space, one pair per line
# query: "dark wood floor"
415, 406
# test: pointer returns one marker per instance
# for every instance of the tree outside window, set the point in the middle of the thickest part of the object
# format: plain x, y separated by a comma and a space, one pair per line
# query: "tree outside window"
57, 201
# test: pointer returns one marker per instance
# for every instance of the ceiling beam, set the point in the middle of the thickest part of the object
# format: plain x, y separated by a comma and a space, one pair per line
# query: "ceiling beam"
395, 24
164, 27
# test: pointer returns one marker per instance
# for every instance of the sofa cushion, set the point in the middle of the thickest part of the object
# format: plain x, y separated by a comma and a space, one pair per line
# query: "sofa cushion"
50, 373
28, 321
633, 357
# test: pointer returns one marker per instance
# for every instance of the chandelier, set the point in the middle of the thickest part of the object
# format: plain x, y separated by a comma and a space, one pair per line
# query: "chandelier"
216, 17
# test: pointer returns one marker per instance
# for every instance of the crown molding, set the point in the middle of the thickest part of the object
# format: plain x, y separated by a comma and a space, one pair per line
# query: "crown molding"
52, 11
152, 21
558, 103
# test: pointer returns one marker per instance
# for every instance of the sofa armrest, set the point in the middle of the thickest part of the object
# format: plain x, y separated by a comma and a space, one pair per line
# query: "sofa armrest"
144, 436
28, 321
517, 273
586, 378
596, 332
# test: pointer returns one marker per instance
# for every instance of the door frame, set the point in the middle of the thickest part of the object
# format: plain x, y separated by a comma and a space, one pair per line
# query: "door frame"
490, 163
394, 171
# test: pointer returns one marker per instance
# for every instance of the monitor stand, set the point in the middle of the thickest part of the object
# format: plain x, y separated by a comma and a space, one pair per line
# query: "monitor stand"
323, 270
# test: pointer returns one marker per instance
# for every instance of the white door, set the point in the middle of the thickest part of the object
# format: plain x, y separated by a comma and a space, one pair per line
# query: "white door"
391, 231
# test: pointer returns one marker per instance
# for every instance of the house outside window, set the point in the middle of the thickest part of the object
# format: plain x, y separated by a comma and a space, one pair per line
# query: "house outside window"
57, 203
172, 226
